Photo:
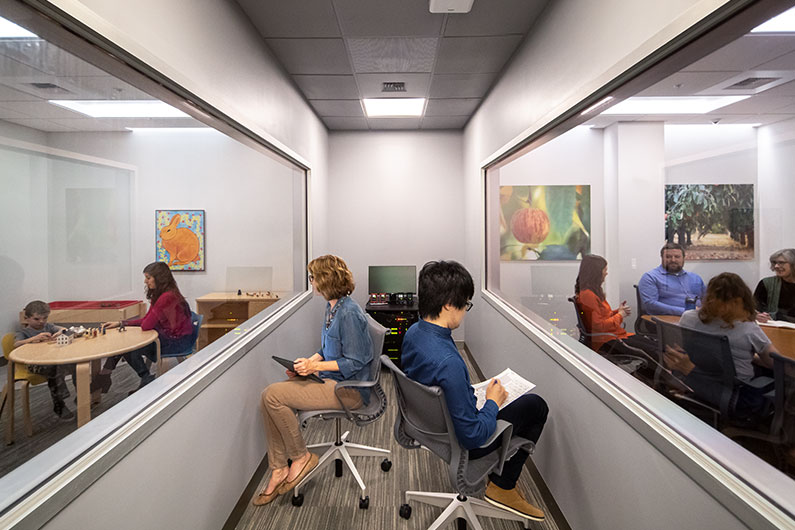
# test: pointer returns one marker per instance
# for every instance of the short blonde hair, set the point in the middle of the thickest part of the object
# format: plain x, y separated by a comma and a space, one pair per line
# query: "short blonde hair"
332, 277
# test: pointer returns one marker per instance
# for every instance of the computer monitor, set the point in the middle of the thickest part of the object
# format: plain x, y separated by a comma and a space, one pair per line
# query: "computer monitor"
392, 279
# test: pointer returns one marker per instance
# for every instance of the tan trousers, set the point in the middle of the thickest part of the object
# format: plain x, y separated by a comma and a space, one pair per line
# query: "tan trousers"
279, 403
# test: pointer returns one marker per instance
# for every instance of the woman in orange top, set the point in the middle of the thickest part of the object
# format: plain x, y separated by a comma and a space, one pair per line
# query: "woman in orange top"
599, 317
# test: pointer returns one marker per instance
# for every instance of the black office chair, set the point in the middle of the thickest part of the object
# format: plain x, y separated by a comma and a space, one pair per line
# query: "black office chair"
341, 450
423, 421
628, 363
713, 381
781, 433
643, 326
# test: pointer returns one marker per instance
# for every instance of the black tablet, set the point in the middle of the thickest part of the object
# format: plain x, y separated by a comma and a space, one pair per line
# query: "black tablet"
287, 363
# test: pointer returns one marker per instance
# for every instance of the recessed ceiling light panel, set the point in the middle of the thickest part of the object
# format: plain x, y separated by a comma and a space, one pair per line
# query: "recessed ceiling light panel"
120, 109
783, 23
394, 107
451, 6
9, 30
672, 105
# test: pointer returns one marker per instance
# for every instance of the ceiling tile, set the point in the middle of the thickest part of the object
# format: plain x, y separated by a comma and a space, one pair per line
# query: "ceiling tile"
461, 85
7, 112
495, 17
311, 56
444, 122
746, 53
294, 18
336, 123
393, 123
327, 86
370, 85
475, 54
10, 94
690, 83
784, 62
42, 125
451, 107
338, 107
43, 109
756, 105
392, 54
407, 18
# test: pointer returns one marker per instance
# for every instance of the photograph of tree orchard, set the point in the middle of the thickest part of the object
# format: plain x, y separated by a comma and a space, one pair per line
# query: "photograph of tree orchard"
712, 221
545, 222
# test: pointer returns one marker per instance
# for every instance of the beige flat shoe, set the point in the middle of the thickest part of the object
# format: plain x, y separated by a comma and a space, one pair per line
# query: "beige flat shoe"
311, 464
264, 498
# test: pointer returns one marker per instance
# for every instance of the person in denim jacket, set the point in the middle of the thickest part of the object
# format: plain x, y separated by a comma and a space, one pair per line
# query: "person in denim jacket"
345, 354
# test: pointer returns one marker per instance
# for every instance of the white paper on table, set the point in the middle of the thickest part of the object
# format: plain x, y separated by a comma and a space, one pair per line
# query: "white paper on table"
778, 324
514, 384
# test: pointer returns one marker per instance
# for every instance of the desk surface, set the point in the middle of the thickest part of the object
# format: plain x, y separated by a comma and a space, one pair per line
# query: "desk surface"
782, 338
82, 349
234, 297
392, 307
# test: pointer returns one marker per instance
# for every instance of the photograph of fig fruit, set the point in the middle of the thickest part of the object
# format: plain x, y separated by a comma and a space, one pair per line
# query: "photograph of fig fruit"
545, 222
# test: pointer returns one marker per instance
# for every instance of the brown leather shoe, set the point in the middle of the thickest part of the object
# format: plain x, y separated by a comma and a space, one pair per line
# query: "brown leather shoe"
310, 464
264, 498
513, 501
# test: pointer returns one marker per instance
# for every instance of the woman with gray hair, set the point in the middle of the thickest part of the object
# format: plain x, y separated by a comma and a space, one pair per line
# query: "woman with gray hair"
775, 295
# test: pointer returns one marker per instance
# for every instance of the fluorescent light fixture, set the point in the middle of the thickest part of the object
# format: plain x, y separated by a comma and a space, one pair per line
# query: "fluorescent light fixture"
169, 130
672, 105
9, 30
394, 107
120, 109
595, 106
451, 6
783, 23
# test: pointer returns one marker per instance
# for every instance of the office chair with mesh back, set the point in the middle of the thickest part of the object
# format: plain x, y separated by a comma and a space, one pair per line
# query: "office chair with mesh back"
642, 326
714, 382
423, 421
341, 450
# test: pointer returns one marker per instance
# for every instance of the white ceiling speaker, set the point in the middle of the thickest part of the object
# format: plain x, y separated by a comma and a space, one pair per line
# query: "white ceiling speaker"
451, 6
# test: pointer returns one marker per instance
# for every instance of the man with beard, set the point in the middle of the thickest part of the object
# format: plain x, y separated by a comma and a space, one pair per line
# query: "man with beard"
666, 289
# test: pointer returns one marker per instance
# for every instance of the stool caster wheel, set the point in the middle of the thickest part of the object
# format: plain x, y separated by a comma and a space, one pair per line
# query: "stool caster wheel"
405, 511
364, 503
386, 465
337, 467
298, 500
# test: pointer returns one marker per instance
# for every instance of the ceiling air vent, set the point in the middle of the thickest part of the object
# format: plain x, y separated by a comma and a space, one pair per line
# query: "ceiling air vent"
752, 82
50, 88
393, 86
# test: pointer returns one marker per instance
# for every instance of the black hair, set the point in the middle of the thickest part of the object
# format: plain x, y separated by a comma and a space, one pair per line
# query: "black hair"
590, 275
442, 283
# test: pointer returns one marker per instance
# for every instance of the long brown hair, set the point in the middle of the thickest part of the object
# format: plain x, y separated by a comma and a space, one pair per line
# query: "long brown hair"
590, 275
164, 281
721, 291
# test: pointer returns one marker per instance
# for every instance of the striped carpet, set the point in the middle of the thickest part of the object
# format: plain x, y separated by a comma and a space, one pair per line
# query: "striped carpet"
333, 503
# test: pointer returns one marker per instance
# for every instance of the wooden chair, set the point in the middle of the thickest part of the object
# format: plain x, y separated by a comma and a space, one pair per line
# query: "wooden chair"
21, 375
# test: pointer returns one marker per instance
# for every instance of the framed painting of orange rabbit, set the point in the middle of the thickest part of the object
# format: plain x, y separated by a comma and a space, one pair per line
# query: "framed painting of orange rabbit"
179, 239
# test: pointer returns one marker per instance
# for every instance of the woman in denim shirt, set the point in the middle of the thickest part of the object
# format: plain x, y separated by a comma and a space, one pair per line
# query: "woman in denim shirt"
345, 353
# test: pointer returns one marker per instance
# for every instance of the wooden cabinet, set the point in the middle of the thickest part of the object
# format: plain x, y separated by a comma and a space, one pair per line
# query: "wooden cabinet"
223, 312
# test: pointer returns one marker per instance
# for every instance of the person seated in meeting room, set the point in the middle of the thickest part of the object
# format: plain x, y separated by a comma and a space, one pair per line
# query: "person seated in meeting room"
669, 289
775, 295
168, 314
599, 317
37, 329
729, 310
430, 357
346, 352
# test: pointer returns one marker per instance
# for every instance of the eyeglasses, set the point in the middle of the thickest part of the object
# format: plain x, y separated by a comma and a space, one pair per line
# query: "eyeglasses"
469, 304
782, 263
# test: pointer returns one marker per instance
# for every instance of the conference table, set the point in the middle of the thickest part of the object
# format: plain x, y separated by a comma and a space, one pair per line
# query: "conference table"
86, 353
783, 338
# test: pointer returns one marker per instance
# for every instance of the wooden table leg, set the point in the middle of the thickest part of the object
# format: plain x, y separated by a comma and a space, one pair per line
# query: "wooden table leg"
83, 393
11, 392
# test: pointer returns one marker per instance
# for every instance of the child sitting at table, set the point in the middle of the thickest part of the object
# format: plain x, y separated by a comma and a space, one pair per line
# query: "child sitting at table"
37, 329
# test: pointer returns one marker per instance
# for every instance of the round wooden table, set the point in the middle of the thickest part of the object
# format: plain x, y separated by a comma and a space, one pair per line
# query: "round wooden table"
86, 353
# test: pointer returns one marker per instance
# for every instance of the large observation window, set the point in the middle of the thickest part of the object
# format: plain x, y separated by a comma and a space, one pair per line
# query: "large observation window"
700, 157
92, 171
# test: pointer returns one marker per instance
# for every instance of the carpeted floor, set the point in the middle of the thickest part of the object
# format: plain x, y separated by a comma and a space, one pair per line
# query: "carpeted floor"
333, 503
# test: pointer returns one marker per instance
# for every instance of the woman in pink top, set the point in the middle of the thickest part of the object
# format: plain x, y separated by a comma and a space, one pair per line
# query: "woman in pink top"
169, 315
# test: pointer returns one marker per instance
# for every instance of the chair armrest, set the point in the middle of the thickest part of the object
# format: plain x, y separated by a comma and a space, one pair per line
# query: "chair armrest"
351, 384
762, 383
505, 430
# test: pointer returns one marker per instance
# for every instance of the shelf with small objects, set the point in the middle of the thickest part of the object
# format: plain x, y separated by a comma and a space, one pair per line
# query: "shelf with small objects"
224, 311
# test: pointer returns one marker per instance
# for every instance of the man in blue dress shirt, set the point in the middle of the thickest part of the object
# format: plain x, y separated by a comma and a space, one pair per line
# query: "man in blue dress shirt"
430, 357
665, 290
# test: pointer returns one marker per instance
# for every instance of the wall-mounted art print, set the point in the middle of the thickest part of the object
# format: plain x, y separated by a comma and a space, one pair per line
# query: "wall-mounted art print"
545, 222
711, 221
179, 239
